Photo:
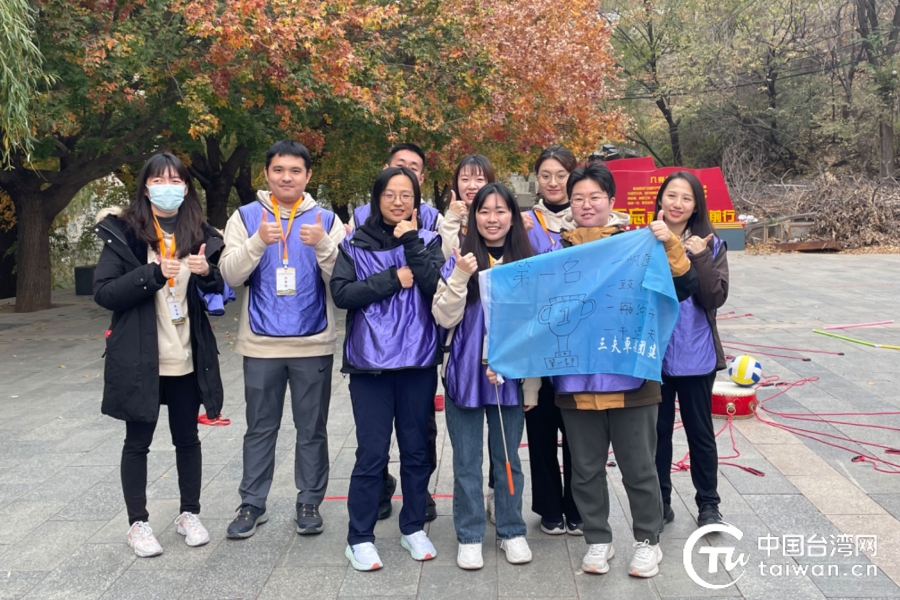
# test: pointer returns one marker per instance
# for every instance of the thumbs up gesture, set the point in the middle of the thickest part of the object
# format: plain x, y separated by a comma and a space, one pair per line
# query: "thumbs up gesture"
269, 232
660, 229
466, 264
313, 234
697, 245
404, 226
198, 264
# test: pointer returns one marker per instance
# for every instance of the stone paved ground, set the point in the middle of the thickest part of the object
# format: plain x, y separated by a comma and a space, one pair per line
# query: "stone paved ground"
63, 523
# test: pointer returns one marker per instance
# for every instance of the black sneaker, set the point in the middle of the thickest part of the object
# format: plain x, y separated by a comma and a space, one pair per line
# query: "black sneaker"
244, 524
430, 509
388, 487
309, 521
574, 527
551, 527
709, 514
668, 513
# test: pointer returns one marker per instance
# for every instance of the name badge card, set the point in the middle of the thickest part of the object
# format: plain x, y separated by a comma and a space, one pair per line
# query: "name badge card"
286, 281
175, 312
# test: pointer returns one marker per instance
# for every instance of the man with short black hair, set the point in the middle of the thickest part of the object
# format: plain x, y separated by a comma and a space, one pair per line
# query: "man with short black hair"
283, 247
413, 158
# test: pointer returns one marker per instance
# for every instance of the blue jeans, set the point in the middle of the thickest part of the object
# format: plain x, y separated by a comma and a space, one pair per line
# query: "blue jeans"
466, 428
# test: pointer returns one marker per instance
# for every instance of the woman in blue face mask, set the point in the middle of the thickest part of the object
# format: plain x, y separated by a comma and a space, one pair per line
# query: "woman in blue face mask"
158, 257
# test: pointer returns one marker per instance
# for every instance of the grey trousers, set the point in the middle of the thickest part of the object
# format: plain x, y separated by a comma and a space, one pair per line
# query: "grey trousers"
632, 432
265, 383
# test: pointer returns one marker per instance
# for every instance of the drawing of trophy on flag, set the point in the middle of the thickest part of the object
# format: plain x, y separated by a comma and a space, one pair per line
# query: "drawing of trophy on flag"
563, 315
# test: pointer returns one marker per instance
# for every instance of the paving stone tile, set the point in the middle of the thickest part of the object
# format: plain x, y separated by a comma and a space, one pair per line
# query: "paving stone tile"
18, 583
22, 517
148, 585
48, 546
86, 574
397, 577
314, 583
101, 502
234, 571
440, 581
548, 575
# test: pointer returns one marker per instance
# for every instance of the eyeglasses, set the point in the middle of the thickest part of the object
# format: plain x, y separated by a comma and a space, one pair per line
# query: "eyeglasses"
391, 196
594, 201
560, 177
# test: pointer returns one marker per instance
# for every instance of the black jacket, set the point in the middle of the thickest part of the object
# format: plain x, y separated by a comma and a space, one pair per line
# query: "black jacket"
126, 284
351, 294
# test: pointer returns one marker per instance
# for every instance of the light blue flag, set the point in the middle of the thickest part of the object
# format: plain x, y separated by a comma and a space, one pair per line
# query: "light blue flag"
604, 307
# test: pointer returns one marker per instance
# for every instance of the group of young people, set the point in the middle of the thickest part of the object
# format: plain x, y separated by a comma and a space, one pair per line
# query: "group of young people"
408, 278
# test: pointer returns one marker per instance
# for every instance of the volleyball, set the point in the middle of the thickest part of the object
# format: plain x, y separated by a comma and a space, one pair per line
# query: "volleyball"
745, 370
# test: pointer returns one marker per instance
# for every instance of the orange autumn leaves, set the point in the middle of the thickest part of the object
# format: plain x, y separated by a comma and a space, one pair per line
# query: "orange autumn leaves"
453, 74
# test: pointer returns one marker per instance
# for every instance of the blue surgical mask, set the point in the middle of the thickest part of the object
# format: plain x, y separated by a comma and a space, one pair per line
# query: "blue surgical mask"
167, 197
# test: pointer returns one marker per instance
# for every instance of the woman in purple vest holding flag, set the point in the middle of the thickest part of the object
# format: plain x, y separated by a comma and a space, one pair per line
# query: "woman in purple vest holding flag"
604, 409
385, 276
694, 353
496, 234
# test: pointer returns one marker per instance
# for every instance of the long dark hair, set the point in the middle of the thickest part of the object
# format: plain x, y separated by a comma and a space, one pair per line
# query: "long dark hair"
139, 214
698, 222
381, 183
477, 163
515, 247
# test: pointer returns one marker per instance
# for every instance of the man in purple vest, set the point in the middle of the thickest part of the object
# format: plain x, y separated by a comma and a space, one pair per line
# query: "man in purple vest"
413, 158
282, 249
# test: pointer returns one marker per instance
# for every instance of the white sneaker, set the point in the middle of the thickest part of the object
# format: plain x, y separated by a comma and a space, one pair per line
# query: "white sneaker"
491, 508
189, 525
141, 538
646, 560
517, 550
419, 546
469, 557
597, 557
363, 557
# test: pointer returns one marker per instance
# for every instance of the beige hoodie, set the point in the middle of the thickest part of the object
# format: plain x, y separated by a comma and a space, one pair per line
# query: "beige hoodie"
556, 222
448, 308
240, 258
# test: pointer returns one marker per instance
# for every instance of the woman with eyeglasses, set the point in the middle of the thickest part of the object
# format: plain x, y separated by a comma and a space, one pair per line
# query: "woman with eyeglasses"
551, 496
386, 276
603, 409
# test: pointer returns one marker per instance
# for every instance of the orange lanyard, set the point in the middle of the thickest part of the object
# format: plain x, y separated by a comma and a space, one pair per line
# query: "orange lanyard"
491, 260
285, 234
164, 252
543, 223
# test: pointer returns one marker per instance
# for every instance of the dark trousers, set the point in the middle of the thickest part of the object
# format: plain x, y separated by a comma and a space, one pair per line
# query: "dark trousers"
265, 383
403, 400
632, 432
550, 497
182, 396
432, 440
695, 403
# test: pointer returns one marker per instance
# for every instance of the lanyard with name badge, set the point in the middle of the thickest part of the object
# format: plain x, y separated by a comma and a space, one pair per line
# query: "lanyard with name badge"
172, 299
285, 277
543, 223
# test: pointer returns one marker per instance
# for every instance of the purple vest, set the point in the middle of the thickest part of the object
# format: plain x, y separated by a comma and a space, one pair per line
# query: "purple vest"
467, 384
691, 349
606, 383
304, 313
397, 332
427, 214
542, 241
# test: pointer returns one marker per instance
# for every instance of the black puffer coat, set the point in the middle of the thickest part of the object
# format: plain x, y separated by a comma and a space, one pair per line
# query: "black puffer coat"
125, 284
